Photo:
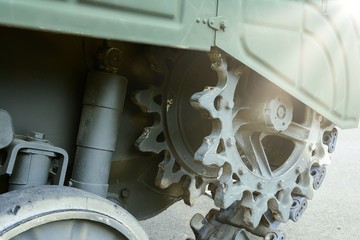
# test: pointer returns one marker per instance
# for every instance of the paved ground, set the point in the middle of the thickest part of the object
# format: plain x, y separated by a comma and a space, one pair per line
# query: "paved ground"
333, 214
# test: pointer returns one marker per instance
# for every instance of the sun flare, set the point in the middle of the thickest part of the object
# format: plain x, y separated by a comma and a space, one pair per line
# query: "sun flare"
353, 6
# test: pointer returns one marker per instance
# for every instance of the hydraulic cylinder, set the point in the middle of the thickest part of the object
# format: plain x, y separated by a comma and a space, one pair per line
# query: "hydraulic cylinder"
103, 103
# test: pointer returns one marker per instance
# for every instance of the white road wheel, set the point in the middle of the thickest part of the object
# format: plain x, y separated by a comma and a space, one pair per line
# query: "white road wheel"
53, 212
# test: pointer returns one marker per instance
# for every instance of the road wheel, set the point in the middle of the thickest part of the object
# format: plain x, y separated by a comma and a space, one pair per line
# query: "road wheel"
53, 212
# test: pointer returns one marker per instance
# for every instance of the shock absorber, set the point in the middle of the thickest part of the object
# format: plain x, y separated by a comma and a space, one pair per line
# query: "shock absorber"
99, 124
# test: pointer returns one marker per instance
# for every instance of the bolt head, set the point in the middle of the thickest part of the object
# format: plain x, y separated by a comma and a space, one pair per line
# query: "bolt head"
231, 141
37, 135
281, 112
230, 104
125, 193
280, 184
223, 24
113, 58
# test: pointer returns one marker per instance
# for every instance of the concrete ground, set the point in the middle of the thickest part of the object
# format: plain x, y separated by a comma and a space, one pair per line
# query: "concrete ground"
333, 214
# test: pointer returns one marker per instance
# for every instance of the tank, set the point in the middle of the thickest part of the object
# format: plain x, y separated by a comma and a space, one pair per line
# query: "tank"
113, 110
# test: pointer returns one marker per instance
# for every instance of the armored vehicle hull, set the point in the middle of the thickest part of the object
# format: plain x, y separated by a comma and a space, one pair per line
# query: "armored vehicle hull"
147, 103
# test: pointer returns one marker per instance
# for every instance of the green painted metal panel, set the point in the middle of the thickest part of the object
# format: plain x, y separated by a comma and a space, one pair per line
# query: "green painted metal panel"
308, 48
160, 22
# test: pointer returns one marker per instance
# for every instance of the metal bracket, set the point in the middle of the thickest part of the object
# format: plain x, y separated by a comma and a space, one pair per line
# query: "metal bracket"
21, 145
218, 23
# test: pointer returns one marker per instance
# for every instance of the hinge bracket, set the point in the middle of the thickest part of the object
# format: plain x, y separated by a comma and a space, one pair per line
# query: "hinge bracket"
218, 23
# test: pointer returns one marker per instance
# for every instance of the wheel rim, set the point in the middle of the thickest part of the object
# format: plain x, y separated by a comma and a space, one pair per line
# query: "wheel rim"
57, 226
64, 212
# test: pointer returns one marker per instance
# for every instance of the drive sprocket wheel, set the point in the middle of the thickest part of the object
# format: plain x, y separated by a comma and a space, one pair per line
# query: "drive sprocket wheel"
177, 128
258, 143
265, 150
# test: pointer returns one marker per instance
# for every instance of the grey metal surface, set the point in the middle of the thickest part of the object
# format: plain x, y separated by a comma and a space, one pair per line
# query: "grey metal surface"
45, 96
333, 214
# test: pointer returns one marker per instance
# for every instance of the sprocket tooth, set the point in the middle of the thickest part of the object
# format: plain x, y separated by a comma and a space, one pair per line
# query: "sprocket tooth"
227, 194
147, 141
145, 99
304, 187
166, 176
207, 153
254, 208
227, 191
192, 191
282, 205
204, 101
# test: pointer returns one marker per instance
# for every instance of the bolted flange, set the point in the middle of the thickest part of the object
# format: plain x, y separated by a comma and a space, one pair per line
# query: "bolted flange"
278, 113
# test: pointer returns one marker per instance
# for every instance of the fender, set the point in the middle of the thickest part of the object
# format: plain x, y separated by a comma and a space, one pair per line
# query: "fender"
309, 48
